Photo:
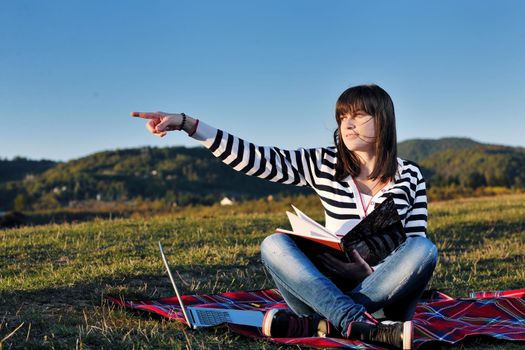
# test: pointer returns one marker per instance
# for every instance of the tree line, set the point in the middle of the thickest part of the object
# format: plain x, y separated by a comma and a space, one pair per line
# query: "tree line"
182, 176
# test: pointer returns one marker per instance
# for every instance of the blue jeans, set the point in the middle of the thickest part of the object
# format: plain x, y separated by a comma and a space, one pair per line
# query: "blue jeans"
395, 285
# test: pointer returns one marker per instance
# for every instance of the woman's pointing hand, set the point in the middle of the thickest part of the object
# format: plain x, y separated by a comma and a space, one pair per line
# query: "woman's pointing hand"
159, 123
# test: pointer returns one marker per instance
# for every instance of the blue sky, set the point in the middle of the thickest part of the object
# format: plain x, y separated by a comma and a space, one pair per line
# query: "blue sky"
268, 71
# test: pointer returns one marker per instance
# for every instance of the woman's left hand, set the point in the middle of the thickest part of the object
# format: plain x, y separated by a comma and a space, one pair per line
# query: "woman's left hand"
355, 271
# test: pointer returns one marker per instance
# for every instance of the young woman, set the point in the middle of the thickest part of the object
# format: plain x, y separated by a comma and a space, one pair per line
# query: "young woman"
351, 179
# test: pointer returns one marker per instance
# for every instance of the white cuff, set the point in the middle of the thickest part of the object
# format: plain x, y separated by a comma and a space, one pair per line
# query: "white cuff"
205, 134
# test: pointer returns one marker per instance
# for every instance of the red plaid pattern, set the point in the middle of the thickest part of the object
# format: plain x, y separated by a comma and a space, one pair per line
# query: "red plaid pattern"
439, 318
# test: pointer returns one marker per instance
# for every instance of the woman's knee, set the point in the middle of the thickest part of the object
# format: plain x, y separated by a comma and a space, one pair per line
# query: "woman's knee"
423, 250
273, 246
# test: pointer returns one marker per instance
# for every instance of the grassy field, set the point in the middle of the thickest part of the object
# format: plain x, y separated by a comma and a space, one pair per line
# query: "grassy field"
54, 278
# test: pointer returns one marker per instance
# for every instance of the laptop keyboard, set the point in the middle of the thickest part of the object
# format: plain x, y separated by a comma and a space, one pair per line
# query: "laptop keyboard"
212, 317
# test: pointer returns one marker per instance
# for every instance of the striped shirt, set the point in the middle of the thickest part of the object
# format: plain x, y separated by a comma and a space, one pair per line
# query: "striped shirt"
315, 168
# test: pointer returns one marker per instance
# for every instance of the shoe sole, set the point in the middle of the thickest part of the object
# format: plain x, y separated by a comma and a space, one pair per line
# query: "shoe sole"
407, 335
267, 322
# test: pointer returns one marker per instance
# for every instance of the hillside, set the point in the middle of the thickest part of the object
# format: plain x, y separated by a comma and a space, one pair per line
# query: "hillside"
419, 149
18, 168
180, 175
176, 174
476, 167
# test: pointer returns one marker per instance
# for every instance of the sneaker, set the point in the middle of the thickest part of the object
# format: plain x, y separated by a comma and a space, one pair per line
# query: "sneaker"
396, 334
284, 323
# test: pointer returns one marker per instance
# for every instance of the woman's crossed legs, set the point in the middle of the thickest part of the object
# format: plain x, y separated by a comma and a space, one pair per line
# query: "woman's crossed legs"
395, 285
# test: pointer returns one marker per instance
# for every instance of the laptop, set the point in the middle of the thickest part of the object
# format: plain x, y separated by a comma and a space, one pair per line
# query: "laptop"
199, 317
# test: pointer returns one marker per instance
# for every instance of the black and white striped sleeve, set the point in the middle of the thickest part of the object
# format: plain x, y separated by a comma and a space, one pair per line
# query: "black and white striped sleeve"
269, 163
417, 217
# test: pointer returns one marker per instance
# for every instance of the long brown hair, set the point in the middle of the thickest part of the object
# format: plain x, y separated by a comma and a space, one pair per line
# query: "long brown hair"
375, 101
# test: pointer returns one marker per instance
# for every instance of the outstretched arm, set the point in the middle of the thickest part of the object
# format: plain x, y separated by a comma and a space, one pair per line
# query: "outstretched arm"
271, 163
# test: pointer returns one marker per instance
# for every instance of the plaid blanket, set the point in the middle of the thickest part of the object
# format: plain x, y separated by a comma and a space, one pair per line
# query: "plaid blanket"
438, 317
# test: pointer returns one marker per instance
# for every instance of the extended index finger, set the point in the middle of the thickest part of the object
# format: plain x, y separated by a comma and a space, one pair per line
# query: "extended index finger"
145, 115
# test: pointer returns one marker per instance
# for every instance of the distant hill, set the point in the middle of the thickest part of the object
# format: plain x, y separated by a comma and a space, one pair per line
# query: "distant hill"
176, 174
193, 175
476, 167
419, 149
18, 168
465, 162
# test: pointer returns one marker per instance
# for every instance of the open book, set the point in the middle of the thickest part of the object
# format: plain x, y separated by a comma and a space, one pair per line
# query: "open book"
374, 238
308, 228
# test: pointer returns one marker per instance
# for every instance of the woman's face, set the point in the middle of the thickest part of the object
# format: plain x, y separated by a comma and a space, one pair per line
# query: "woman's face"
358, 131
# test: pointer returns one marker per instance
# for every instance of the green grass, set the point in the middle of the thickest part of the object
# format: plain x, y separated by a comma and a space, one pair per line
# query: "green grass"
54, 278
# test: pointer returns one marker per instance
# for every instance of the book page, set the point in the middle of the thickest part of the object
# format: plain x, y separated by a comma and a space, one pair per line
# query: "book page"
305, 228
313, 222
